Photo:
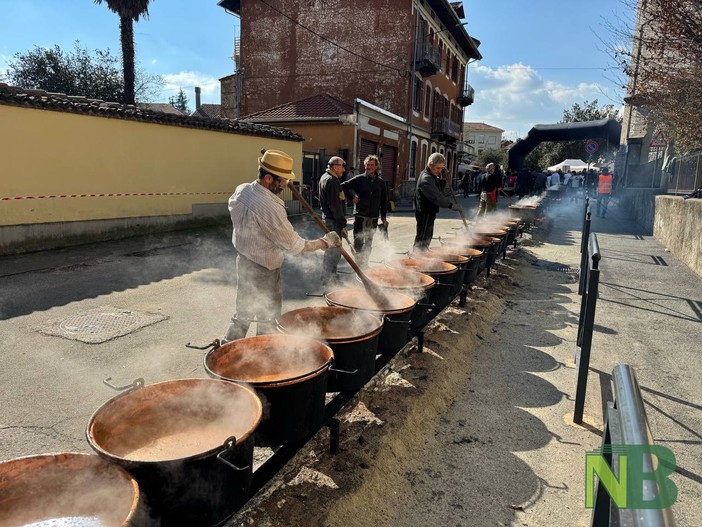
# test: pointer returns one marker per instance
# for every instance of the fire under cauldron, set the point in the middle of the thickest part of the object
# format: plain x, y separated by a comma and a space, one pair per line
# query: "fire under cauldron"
290, 375
411, 283
67, 490
187, 442
444, 274
476, 259
397, 309
351, 334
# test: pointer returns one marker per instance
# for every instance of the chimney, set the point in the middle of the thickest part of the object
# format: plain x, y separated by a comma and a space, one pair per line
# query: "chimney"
197, 97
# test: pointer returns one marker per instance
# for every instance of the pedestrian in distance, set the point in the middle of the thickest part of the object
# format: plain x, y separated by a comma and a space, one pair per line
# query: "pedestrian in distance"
262, 235
332, 200
370, 198
604, 192
490, 183
428, 198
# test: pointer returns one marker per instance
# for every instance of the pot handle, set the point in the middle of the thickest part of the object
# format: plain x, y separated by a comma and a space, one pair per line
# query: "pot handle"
214, 345
389, 320
423, 304
229, 445
138, 383
344, 372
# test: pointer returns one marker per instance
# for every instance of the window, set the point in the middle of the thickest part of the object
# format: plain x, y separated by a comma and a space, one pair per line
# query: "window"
481, 139
427, 99
417, 103
454, 70
492, 140
412, 159
471, 139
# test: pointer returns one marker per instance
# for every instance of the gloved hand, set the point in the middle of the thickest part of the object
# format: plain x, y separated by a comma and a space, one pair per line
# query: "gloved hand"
344, 232
331, 239
385, 223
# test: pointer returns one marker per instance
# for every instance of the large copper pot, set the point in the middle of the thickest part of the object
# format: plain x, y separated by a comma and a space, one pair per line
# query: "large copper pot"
290, 375
476, 259
188, 443
397, 310
351, 334
461, 262
413, 284
443, 272
67, 489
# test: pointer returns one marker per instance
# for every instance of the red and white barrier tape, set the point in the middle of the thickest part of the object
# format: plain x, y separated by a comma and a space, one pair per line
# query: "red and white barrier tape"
116, 194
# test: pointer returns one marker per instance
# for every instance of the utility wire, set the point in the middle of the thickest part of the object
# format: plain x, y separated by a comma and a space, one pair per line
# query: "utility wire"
335, 44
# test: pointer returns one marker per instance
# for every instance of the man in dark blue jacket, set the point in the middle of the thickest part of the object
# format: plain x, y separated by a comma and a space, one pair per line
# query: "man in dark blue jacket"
370, 198
428, 197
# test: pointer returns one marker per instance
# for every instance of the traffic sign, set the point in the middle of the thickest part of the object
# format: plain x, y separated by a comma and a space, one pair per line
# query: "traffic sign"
658, 141
591, 147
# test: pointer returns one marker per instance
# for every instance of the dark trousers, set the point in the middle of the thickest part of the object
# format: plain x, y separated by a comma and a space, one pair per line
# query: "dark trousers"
363, 232
602, 202
425, 230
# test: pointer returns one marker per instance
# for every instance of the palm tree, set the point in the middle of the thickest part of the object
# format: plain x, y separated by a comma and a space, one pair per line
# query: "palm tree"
129, 11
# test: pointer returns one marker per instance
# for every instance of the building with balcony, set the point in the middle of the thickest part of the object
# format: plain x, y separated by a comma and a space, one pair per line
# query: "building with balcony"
411, 67
478, 137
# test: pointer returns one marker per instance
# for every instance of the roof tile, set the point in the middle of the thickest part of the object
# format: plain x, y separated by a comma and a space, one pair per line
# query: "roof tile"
320, 106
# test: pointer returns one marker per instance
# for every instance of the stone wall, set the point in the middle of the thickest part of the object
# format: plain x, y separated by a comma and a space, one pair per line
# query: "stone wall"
678, 227
640, 205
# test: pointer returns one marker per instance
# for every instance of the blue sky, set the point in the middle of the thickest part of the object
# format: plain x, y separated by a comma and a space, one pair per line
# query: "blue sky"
536, 61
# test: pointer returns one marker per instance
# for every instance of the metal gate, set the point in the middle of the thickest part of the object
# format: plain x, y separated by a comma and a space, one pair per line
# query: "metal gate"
367, 148
388, 164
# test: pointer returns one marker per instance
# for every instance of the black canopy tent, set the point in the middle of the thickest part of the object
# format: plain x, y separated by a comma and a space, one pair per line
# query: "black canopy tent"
608, 129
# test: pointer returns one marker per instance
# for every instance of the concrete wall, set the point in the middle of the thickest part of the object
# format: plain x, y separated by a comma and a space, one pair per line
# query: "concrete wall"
639, 204
678, 226
65, 174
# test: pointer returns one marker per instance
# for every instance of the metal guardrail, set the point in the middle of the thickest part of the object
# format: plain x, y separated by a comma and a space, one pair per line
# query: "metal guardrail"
626, 424
583, 244
586, 324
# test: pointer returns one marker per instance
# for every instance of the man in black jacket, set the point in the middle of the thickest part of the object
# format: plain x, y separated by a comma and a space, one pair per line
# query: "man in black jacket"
332, 198
370, 198
428, 198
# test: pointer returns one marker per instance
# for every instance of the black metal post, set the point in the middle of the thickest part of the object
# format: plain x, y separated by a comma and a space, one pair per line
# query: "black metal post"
583, 357
587, 222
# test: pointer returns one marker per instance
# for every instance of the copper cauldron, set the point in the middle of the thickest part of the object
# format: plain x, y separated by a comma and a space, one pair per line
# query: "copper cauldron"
351, 334
397, 310
288, 372
67, 489
188, 443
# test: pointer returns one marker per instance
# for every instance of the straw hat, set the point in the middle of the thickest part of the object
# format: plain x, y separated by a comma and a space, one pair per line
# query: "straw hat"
277, 163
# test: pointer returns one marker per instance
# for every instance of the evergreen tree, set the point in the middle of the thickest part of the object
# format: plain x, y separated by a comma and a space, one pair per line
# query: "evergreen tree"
180, 101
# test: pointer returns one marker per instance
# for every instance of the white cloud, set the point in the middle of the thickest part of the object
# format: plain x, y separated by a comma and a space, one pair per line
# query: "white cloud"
154, 61
515, 97
187, 81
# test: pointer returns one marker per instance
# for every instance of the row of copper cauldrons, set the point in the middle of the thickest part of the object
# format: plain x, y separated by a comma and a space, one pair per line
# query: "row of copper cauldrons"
181, 451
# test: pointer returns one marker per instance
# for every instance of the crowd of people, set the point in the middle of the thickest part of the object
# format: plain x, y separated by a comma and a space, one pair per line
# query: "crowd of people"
262, 233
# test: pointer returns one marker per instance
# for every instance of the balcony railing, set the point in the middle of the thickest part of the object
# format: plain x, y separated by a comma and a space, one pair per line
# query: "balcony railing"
467, 96
428, 60
443, 127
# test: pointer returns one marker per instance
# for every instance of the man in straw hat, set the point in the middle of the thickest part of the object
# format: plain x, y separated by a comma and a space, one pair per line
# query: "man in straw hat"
261, 235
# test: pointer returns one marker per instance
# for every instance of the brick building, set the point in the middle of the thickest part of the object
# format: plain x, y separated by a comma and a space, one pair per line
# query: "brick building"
406, 60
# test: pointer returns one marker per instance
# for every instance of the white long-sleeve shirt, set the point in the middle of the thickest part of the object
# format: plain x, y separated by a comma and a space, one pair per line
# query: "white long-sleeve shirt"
261, 229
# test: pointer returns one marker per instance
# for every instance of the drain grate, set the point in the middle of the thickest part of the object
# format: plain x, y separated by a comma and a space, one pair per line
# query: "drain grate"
555, 266
94, 328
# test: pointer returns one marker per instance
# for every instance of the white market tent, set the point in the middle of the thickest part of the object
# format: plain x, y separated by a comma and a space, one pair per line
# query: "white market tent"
572, 164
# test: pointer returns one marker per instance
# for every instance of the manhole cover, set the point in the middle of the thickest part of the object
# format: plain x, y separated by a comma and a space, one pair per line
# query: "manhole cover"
94, 328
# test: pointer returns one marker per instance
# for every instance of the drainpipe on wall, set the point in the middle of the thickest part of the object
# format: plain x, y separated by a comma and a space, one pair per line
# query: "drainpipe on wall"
197, 97
355, 134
